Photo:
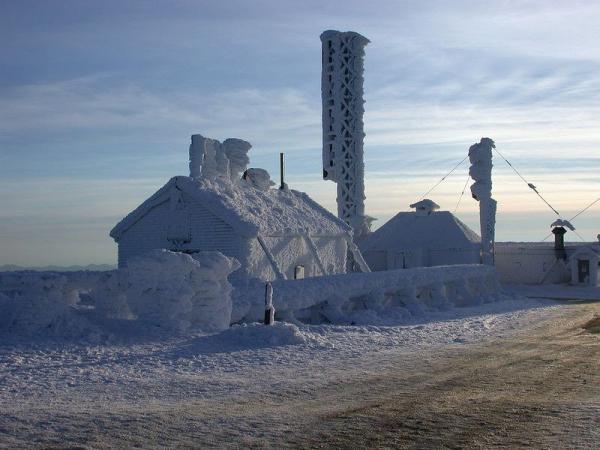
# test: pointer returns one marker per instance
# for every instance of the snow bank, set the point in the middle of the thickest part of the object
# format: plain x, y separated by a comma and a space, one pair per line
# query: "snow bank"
255, 335
388, 297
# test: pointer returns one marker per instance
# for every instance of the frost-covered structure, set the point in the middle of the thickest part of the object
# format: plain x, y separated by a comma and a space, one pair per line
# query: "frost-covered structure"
387, 297
159, 291
343, 135
480, 156
221, 206
423, 238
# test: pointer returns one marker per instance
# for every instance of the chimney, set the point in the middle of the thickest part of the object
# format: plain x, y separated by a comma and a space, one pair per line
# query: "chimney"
196, 155
559, 242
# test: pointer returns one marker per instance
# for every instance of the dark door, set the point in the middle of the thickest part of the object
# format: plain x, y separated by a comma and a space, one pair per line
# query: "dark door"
583, 270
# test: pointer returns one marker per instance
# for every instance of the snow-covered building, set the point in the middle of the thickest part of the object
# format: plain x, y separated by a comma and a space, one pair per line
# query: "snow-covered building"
273, 233
423, 238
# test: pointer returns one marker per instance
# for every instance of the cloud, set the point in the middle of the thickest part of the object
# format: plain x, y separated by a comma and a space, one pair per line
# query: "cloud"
93, 104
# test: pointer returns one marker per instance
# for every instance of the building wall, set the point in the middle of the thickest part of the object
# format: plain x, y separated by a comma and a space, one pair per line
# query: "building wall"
529, 263
452, 256
196, 224
379, 260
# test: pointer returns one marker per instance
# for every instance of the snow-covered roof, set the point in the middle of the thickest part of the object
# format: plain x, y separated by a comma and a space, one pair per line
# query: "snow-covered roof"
409, 230
425, 207
247, 210
562, 223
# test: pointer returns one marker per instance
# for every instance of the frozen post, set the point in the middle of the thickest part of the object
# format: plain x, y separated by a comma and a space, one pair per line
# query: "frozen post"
480, 156
269, 309
342, 96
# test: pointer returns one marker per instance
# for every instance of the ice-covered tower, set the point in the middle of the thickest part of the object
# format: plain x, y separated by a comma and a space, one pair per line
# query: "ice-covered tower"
343, 135
480, 156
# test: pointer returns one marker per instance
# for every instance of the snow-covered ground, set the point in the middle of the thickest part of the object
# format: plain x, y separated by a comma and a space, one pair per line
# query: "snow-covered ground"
243, 358
70, 392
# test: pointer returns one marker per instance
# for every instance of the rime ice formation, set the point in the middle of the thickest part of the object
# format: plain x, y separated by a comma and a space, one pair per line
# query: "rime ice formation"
209, 159
480, 156
258, 178
236, 151
343, 135
177, 291
379, 297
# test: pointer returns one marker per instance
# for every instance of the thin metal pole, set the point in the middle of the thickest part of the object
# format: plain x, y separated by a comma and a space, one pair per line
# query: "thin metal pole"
281, 170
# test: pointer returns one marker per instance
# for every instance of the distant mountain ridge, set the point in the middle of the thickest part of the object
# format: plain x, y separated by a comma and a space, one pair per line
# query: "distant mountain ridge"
94, 267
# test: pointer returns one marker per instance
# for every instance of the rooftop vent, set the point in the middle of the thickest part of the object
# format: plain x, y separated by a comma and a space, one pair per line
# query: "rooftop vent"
425, 207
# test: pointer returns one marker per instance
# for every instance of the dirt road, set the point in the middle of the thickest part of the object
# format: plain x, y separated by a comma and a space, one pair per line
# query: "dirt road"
540, 389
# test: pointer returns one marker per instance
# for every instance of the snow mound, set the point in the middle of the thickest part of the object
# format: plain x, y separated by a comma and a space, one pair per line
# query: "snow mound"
253, 336
258, 335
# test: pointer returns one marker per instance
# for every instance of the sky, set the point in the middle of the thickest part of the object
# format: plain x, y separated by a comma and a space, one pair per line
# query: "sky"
98, 101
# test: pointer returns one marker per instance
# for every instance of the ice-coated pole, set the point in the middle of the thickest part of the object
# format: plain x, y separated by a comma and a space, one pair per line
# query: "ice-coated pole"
269, 309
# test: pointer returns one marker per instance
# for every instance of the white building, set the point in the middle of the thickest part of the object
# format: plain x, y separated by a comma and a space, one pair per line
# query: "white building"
273, 233
423, 238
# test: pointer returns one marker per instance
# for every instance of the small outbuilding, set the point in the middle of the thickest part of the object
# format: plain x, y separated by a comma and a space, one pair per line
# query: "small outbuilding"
273, 233
423, 238
584, 265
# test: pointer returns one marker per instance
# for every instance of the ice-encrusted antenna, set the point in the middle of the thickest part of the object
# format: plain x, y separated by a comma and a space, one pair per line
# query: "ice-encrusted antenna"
343, 135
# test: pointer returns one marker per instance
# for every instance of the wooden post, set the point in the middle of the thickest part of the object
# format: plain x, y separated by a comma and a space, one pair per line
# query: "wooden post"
269, 309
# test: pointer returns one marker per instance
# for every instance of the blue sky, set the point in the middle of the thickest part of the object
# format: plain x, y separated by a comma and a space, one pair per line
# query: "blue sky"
98, 100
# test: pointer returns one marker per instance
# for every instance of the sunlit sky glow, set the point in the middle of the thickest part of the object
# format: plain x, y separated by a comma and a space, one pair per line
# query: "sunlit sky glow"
98, 100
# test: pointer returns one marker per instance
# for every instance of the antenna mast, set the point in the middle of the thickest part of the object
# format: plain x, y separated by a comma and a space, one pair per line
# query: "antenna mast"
342, 95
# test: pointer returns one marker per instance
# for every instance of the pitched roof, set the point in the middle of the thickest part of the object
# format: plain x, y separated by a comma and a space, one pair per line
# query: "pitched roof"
409, 230
247, 210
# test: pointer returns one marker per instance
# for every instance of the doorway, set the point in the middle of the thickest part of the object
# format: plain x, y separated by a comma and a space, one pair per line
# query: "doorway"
583, 270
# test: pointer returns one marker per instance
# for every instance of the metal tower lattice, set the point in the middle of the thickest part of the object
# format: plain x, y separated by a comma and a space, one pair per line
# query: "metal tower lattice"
343, 135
